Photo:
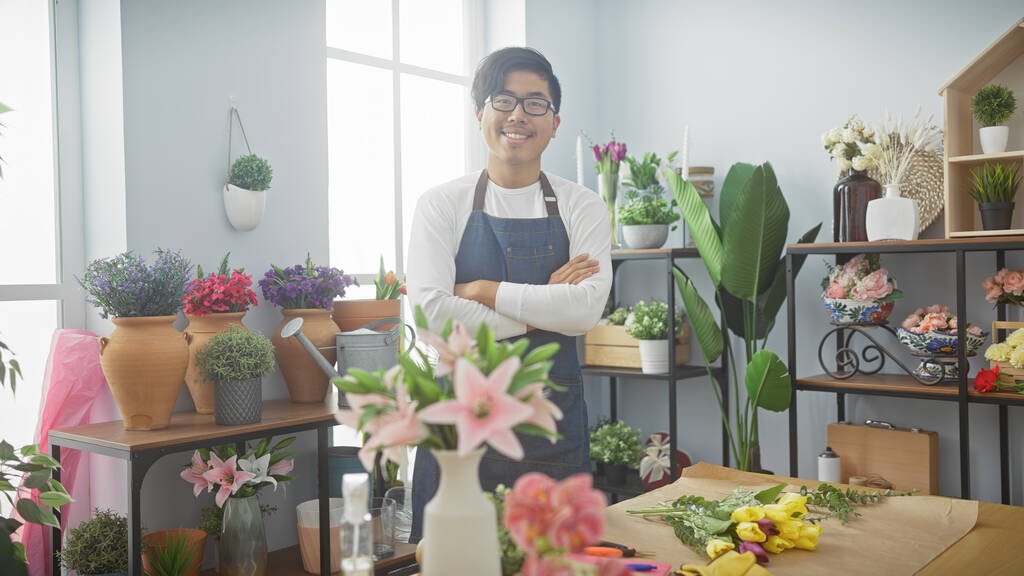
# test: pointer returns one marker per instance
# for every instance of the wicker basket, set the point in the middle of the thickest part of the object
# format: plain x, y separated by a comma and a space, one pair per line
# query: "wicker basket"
1008, 375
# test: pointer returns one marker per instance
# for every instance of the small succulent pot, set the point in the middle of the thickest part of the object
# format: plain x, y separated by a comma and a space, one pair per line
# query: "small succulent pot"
862, 313
238, 401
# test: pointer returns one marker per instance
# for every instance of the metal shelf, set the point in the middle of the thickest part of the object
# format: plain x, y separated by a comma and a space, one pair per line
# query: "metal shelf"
977, 244
681, 372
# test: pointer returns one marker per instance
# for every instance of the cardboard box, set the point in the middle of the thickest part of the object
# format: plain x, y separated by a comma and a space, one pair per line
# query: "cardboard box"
909, 459
608, 345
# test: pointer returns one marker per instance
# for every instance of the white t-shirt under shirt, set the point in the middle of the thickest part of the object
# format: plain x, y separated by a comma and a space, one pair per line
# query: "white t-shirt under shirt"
437, 228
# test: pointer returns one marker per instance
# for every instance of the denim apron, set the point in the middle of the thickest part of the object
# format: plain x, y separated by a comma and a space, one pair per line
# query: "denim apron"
524, 251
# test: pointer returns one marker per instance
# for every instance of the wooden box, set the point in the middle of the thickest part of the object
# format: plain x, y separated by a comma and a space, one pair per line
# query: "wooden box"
908, 459
608, 345
1008, 375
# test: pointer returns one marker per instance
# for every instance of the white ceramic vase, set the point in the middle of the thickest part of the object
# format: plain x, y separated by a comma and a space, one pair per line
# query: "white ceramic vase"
892, 217
654, 356
993, 139
244, 207
642, 236
460, 527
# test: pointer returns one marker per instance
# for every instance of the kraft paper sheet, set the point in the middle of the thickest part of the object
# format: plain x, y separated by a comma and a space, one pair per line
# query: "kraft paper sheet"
898, 536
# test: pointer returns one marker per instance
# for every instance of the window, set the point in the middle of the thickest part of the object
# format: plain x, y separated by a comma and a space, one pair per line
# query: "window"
40, 237
399, 111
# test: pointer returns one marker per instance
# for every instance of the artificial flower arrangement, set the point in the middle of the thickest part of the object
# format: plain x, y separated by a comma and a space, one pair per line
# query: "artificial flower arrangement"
933, 331
650, 321
221, 469
387, 284
860, 291
1007, 362
481, 391
304, 285
853, 145
226, 291
608, 157
1006, 287
899, 142
126, 286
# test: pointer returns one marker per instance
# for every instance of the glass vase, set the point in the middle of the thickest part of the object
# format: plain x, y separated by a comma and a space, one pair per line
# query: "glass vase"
850, 200
242, 550
608, 188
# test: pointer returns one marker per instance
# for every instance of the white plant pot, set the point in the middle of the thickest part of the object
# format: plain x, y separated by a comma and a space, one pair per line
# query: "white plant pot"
654, 356
993, 139
244, 207
645, 235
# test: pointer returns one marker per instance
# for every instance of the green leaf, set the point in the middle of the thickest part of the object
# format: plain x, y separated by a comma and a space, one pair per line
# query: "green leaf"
769, 495
534, 430
717, 526
6, 451
421, 318
55, 499
35, 514
261, 447
753, 244
771, 300
45, 460
705, 327
541, 353
12, 555
28, 467
702, 227
29, 450
283, 444
735, 181
37, 480
768, 382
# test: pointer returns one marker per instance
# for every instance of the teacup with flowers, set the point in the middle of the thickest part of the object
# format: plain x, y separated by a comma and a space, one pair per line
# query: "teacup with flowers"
859, 292
932, 332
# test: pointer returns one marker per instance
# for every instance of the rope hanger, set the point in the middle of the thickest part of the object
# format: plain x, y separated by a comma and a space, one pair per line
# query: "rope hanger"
233, 114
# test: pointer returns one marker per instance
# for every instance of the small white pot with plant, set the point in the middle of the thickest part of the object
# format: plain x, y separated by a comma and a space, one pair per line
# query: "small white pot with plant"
992, 107
649, 324
646, 216
245, 193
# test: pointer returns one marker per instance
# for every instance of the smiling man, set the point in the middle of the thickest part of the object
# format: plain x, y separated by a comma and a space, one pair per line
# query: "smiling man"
525, 252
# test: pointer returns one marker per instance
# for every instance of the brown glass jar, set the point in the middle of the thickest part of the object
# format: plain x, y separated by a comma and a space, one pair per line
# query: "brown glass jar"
850, 200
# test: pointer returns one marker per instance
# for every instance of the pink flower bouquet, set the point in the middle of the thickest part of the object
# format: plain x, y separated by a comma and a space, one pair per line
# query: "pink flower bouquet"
1006, 287
480, 392
223, 471
859, 292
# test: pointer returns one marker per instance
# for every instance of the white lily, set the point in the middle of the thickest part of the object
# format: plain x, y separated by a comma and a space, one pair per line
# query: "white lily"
260, 467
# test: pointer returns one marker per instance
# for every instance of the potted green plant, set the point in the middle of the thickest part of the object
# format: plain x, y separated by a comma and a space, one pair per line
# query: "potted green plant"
992, 107
648, 323
618, 447
176, 552
994, 187
245, 193
646, 216
236, 360
98, 546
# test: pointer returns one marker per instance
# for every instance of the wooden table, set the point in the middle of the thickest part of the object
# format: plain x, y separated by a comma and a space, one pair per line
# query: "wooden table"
288, 562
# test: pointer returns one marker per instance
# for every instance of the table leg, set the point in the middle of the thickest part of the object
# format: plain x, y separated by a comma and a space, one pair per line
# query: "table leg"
323, 493
134, 516
55, 533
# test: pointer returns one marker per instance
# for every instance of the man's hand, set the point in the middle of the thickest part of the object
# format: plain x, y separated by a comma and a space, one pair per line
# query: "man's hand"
482, 291
575, 271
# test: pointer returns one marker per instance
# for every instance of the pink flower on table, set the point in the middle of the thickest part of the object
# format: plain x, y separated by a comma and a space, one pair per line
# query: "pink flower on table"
357, 405
545, 412
938, 309
194, 474
874, 286
853, 266
992, 289
482, 410
528, 510
1013, 282
835, 290
579, 513
226, 474
459, 343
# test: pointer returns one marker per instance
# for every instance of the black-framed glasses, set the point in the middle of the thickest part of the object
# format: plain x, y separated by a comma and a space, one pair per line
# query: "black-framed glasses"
532, 105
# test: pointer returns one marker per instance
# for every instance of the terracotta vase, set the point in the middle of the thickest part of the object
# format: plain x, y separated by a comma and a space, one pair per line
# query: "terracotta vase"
352, 314
200, 330
307, 383
195, 538
144, 361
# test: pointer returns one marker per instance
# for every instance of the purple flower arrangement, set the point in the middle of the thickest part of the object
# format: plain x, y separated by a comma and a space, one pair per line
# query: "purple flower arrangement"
126, 285
304, 285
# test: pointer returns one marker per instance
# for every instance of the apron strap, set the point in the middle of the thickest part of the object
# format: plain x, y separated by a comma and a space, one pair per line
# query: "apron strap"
550, 201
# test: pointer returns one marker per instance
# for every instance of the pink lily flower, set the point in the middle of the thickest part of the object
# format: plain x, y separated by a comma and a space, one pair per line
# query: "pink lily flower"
227, 475
545, 412
459, 343
194, 474
357, 404
482, 409
398, 429
283, 467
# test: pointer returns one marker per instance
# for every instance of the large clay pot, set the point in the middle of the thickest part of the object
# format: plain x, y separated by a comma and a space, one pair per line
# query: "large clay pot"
196, 542
144, 361
307, 383
200, 330
351, 314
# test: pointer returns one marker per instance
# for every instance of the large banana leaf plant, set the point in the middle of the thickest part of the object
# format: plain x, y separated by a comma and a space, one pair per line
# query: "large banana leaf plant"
743, 254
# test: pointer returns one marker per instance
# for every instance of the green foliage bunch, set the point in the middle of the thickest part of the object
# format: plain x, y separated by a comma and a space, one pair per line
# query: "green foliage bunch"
619, 316
643, 173
616, 443
172, 557
995, 182
236, 354
9, 369
650, 321
643, 208
98, 546
993, 105
35, 469
512, 557
252, 173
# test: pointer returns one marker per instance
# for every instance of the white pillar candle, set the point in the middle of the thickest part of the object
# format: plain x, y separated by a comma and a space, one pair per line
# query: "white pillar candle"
579, 159
686, 153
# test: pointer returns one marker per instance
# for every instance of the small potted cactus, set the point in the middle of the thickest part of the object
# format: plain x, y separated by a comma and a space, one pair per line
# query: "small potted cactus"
245, 193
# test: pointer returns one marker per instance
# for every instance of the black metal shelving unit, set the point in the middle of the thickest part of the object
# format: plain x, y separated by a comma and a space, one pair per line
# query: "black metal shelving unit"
904, 386
676, 373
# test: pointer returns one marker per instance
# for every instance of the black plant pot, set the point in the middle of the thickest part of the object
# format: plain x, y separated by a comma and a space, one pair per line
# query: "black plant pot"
996, 215
615, 474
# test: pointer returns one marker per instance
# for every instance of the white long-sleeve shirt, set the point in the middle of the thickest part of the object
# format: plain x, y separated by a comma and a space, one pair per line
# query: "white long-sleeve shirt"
438, 224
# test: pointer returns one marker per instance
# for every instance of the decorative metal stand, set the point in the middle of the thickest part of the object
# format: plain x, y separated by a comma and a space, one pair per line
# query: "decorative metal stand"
849, 361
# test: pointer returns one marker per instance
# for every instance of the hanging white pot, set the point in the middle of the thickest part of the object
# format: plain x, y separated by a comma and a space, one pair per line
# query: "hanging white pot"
244, 207
993, 139
654, 356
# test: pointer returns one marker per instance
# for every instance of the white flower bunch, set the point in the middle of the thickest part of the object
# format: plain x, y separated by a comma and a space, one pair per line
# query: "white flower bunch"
1012, 350
853, 145
899, 142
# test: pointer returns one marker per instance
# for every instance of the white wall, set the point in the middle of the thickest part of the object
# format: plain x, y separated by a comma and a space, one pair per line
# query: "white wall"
759, 81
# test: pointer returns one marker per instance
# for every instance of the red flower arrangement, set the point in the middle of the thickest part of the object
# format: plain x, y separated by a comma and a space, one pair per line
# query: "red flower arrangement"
226, 291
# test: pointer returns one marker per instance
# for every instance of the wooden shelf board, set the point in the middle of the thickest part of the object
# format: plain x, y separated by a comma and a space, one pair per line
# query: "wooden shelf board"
993, 396
981, 158
976, 242
652, 253
985, 233
881, 384
681, 372
288, 561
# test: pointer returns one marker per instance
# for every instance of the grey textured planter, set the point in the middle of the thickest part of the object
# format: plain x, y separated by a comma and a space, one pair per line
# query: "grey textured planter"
645, 235
238, 402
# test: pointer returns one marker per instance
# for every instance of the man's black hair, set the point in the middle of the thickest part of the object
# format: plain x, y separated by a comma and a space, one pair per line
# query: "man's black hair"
490, 74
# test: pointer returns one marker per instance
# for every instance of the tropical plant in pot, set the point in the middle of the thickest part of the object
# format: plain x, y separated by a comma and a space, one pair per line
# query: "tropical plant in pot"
992, 106
354, 313
144, 360
236, 360
994, 187
648, 323
174, 552
859, 292
618, 446
646, 216
245, 195
98, 546
211, 304
743, 256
